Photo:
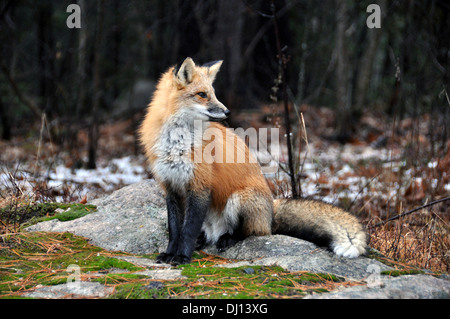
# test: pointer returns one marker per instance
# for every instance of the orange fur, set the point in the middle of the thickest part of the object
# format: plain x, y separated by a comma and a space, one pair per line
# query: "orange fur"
225, 178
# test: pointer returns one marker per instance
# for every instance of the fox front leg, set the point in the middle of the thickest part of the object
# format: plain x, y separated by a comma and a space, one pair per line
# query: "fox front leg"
197, 204
175, 216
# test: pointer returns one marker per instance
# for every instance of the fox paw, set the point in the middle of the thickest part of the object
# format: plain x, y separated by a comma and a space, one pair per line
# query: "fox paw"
179, 260
225, 241
164, 258
201, 242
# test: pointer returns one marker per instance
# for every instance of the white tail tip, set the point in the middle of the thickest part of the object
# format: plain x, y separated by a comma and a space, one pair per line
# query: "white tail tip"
348, 250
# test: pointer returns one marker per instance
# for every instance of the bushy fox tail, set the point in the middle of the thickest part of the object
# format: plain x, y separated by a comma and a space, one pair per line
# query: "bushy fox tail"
320, 223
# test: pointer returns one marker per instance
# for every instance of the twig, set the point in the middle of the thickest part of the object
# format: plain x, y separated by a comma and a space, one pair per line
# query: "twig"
262, 31
444, 91
12, 82
361, 190
411, 211
39, 144
282, 60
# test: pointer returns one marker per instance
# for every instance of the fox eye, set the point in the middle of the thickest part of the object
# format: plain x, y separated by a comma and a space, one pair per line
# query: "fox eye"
203, 95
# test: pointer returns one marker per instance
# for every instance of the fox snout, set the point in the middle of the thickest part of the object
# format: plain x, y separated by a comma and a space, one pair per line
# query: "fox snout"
218, 113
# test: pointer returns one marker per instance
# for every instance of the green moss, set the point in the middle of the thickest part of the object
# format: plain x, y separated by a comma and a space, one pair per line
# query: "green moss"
43, 258
62, 212
113, 279
401, 272
139, 291
205, 280
21, 216
38, 258
72, 212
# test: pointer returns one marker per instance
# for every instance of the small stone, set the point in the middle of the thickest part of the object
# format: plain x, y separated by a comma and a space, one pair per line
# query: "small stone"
249, 271
154, 285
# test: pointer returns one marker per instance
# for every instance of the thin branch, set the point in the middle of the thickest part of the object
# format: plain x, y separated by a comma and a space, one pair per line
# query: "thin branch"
25, 100
262, 31
411, 211
361, 190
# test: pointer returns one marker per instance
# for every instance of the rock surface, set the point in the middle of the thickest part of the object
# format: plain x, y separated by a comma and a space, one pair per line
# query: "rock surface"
133, 219
403, 287
162, 271
295, 255
81, 289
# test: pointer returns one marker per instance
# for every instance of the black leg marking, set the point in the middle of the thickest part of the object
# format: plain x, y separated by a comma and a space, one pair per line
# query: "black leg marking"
175, 212
196, 206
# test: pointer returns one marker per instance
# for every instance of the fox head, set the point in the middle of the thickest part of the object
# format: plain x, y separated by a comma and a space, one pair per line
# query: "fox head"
195, 92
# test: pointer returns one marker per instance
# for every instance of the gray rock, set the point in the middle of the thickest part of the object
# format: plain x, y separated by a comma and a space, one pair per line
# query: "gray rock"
295, 255
155, 285
249, 271
162, 271
132, 219
403, 287
162, 274
81, 289
143, 262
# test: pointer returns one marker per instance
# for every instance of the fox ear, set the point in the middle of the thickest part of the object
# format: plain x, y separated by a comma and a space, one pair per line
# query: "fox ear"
213, 68
183, 73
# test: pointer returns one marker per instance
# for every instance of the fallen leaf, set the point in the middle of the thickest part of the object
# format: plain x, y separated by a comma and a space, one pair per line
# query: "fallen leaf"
84, 200
415, 191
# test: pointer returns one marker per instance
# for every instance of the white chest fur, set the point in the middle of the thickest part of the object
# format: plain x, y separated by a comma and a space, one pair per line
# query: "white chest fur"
174, 165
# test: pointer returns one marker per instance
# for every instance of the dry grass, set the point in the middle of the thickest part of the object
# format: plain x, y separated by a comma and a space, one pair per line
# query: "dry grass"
417, 173
422, 240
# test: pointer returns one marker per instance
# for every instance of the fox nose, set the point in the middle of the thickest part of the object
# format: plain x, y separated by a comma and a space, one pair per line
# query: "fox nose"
227, 112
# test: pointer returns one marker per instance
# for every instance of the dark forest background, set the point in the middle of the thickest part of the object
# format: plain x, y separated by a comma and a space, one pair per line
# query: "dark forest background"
80, 78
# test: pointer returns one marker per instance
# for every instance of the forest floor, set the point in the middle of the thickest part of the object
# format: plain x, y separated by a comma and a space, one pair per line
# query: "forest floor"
390, 167
42, 265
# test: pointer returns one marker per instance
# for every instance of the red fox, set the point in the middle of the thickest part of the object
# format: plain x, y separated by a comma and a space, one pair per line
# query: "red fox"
221, 202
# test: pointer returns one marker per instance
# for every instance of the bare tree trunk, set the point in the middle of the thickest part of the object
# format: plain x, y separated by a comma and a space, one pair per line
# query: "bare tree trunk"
342, 71
81, 83
81, 69
117, 41
5, 122
229, 28
97, 91
366, 65
46, 57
